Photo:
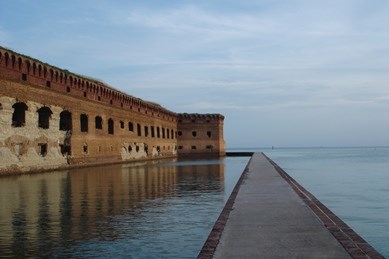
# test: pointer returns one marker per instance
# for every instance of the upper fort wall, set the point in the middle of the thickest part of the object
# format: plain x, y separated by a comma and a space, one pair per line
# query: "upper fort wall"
15, 66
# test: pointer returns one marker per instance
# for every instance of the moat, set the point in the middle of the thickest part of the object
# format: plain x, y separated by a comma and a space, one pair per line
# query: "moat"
163, 209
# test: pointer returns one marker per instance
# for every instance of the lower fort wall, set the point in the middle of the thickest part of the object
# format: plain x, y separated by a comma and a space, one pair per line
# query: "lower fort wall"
121, 135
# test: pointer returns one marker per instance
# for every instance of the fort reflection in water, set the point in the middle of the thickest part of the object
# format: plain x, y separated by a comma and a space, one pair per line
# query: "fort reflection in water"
119, 209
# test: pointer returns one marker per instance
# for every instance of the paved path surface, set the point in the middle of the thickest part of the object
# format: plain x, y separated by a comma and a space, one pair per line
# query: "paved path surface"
269, 220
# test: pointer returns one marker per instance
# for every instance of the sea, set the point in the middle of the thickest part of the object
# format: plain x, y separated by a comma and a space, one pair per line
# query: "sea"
166, 209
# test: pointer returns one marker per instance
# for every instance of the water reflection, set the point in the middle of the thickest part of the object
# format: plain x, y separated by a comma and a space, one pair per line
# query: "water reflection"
118, 210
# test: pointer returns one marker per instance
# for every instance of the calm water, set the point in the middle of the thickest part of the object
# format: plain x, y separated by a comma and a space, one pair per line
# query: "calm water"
166, 210
352, 182
163, 210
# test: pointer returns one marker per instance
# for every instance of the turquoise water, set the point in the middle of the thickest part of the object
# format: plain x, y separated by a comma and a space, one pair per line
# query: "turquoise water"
352, 182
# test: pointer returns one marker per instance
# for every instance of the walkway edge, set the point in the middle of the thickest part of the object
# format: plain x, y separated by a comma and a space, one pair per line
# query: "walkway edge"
354, 244
212, 241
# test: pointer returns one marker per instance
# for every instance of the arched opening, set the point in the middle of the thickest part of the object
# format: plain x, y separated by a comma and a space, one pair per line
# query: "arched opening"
110, 126
44, 117
98, 122
20, 63
130, 126
84, 122
19, 114
139, 130
65, 121
6, 57
209, 134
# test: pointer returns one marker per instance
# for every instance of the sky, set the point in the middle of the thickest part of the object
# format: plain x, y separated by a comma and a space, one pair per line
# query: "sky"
284, 73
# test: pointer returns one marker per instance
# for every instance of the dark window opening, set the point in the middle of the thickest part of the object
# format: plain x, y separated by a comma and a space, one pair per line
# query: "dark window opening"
130, 126
210, 147
98, 122
180, 147
24, 77
163, 133
146, 131
194, 133
137, 148
84, 122
193, 121
179, 133
139, 130
121, 105
19, 114
110, 126
98, 98
65, 121
172, 134
43, 149
68, 89
146, 149
129, 149
65, 149
84, 94
168, 133
85, 148
152, 132
193, 147
48, 83
158, 133
111, 102
122, 124
44, 117
209, 134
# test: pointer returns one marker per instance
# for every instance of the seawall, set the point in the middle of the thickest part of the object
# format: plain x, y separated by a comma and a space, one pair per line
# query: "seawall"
270, 215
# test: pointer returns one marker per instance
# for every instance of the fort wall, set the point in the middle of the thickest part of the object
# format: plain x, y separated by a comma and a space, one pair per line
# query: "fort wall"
52, 118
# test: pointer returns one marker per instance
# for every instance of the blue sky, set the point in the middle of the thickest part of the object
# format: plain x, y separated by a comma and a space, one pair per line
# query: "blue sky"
284, 73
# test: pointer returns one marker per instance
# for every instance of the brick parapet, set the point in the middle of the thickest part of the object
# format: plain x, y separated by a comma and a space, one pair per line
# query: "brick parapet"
18, 67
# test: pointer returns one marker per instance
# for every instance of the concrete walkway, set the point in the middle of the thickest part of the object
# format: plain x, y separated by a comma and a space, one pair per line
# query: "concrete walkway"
269, 220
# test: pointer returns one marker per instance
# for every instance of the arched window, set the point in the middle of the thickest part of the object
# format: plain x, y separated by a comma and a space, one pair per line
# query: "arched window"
152, 132
172, 134
65, 121
19, 114
130, 126
158, 133
13, 59
84, 122
146, 131
20, 63
209, 134
6, 56
44, 117
98, 122
167, 133
139, 130
110, 126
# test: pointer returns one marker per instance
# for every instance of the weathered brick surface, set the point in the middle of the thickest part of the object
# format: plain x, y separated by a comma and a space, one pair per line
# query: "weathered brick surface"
153, 133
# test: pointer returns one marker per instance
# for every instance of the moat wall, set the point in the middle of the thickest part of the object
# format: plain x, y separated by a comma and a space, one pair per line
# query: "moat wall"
51, 118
